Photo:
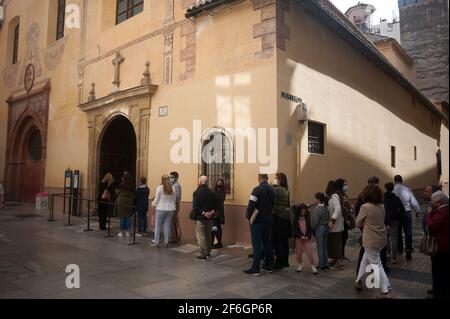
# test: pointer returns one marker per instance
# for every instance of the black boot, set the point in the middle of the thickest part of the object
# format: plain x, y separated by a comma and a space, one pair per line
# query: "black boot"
219, 240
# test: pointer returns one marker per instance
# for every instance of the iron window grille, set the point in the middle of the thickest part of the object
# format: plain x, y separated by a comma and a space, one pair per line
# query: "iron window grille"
316, 138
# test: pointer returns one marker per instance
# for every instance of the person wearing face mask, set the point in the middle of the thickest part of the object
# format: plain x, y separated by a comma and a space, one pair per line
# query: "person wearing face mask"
219, 220
347, 212
437, 223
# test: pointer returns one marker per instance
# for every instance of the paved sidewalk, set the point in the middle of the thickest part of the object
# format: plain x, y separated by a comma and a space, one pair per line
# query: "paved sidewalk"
34, 254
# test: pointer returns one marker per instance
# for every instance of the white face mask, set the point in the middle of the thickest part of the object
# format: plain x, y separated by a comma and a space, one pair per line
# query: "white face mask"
345, 188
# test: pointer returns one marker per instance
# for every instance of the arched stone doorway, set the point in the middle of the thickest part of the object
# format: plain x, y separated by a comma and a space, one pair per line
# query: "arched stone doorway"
26, 165
118, 151
132, 106
27, 143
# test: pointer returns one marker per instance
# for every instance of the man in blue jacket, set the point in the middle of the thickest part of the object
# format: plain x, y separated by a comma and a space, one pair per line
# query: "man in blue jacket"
261, 202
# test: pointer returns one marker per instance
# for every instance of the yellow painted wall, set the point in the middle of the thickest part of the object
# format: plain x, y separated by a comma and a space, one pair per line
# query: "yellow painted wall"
364, 110
230, 88
397, 60
67, 134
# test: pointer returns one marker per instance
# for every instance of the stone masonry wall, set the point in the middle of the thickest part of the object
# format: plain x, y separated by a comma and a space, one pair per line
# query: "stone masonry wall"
424, 35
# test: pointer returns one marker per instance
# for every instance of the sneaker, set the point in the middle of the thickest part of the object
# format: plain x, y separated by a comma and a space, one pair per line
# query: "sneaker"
120, 235
314, 270
337, 267
267, 270
201, 257
217, 246
127, 234
139, 235
386, 295
299, 268
252, 272
154, 245
408, 256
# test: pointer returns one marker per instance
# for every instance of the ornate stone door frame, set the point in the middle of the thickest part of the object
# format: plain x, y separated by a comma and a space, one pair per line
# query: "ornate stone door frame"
135, 105
26, 112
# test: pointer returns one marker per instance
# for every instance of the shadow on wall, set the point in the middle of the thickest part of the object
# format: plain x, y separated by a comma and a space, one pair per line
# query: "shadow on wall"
356, 169
327, 53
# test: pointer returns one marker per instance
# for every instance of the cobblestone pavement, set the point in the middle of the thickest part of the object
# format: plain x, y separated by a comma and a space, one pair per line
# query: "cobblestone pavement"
34, 254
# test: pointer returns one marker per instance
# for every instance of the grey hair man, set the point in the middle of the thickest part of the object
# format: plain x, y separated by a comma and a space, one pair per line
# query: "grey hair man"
204, 208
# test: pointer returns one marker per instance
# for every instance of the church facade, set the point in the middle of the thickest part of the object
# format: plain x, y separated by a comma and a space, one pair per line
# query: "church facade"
158, 86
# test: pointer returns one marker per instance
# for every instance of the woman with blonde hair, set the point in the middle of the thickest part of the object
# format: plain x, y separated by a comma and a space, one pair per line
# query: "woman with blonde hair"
105, 191
165, 205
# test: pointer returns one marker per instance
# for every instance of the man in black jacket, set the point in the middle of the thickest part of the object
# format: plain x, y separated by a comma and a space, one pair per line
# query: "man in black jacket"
140, 202
262, 200
204, 208
394, 214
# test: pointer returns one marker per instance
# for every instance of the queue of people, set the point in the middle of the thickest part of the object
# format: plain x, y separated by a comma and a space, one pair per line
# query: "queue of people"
275, 223
380, 216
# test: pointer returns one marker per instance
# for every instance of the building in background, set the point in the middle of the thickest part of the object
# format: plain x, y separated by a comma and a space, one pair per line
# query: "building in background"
424, 33
384, 36
425, 36
361, 15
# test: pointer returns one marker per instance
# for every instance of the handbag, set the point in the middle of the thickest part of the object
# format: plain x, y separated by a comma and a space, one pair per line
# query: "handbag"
429, 245
106, 195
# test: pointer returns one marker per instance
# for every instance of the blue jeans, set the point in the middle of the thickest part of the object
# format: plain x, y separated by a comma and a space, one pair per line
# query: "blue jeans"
142, 222
407, 228
163, 219
125, 223
261, 236
322, 249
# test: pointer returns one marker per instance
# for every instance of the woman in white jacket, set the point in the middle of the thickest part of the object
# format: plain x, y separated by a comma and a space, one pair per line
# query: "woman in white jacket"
165, 204
336, 226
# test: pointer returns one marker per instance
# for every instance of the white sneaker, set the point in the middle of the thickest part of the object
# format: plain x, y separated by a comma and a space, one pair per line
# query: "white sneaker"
120, 235
314, 270
300, 268
127, 234
139, 235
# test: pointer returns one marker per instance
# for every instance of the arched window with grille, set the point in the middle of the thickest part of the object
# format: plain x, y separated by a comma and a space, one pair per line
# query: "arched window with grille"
217, 158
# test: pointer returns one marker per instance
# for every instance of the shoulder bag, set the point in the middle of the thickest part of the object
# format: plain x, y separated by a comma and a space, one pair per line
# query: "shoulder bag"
429, 245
